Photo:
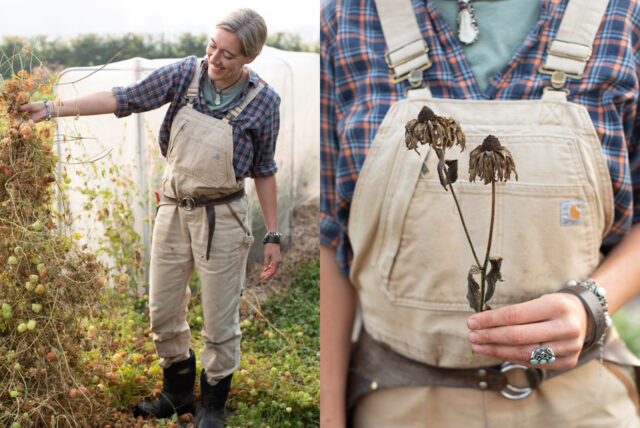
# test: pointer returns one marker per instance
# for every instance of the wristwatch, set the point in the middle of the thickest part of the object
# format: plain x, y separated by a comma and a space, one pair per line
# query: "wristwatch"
272, 238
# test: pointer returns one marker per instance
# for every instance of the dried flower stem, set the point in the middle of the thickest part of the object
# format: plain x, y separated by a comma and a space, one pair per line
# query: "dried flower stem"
464, 225
483, 274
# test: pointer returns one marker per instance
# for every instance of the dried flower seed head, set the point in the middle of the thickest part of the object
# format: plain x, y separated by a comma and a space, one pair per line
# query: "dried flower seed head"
491, 144
491, 161
433, 130
426, 114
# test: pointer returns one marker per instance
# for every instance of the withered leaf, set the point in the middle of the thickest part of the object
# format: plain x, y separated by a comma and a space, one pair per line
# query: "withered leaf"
473, 288
452, 170
442, 175
493, 277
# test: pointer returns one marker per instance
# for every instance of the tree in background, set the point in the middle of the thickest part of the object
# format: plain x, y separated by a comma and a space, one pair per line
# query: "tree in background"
92, 49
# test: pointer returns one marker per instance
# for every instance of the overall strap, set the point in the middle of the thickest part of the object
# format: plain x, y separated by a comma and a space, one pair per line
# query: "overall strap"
191, 94
234, 112
569, 51
407, 51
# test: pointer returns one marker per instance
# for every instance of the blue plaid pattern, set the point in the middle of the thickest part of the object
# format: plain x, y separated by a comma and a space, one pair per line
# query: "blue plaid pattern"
255, 130
356, 93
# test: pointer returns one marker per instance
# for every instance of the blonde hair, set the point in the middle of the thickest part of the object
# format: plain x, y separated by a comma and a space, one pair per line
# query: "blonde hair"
249, 28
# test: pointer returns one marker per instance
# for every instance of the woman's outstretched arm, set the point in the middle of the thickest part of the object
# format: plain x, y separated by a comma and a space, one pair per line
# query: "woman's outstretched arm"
96, 103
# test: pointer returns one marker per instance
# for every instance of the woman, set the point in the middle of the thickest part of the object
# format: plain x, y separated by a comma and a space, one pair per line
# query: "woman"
540, 76
221, 127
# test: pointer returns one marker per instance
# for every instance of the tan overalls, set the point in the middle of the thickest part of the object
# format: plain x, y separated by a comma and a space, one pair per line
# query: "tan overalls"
411, 256
200, 165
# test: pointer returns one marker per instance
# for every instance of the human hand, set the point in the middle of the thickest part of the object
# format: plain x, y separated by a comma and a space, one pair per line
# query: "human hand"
36, 110
272, 259
557, 320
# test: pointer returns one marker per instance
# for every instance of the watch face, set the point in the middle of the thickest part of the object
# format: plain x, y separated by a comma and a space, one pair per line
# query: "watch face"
272, 238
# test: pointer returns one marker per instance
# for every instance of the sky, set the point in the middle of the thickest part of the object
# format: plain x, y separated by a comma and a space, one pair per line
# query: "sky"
68, 18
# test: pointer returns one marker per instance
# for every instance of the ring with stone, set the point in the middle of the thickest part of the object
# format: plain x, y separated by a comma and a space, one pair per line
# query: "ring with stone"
542, 355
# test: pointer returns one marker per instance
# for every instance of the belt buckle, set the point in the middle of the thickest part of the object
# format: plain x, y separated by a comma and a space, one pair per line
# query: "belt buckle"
187, 203
510, 391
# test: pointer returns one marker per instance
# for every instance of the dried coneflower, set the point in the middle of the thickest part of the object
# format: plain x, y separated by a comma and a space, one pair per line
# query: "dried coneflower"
441, 134
491, 162
433, 130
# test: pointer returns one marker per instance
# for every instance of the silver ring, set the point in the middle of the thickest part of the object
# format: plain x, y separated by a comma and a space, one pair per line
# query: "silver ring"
542, 355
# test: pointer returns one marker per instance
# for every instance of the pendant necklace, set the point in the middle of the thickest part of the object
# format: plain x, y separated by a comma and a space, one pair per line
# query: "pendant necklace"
218, 92
467, 23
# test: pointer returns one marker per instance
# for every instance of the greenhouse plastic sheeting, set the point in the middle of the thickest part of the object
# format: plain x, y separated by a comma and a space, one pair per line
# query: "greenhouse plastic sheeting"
91, 146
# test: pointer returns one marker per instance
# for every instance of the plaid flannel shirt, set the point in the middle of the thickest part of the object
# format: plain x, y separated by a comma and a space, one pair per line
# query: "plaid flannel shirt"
255, 130
356, 93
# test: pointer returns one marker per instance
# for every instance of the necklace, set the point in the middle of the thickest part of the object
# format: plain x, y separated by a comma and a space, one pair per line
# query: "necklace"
218, 92
467, 23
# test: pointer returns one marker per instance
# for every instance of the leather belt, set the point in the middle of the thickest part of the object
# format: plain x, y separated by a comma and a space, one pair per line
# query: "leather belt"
188, 203
375, 366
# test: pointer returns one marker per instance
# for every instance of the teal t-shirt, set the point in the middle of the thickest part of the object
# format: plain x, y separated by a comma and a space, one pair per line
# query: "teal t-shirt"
227, 97
503, 27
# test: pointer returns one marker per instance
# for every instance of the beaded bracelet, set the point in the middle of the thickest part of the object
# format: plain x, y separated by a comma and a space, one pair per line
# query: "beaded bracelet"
600, 325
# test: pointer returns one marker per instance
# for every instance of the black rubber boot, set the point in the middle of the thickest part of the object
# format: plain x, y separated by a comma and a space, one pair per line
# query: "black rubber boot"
212, 413
177, 391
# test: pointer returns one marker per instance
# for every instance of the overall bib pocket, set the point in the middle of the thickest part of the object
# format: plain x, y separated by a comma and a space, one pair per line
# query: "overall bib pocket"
201, 157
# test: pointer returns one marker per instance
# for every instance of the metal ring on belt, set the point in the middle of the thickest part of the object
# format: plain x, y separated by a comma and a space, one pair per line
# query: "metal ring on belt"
188, 203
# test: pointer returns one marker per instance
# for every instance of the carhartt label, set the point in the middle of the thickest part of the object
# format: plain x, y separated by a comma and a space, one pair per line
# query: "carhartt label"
571, 213
217, 155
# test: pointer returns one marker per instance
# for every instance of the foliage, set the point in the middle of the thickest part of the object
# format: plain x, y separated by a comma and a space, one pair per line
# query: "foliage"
290, 42
93, 49
278, 381
48, 284
628, 325
112, 207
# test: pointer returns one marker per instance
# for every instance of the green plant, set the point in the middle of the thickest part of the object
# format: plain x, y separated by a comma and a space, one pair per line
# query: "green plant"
278, 381
628, 325
112, 206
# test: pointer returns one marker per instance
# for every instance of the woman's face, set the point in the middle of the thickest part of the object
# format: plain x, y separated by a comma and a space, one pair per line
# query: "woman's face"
225, 56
